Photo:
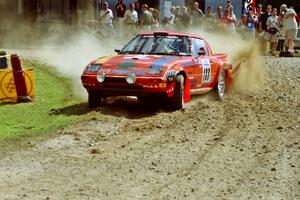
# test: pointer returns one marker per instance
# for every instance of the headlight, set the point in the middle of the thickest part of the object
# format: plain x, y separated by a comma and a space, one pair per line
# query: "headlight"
131, 78
93, 67
101, 77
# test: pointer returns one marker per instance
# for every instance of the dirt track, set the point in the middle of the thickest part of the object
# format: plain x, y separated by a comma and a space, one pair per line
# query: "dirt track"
247, 147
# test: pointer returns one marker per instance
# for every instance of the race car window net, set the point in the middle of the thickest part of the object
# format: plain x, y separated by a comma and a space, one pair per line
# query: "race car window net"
158, 45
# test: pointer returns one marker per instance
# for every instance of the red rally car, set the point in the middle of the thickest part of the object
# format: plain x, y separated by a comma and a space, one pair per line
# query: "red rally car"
167, 64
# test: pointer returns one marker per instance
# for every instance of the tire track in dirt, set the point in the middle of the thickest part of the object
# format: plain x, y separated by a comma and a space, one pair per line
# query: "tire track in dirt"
244, 147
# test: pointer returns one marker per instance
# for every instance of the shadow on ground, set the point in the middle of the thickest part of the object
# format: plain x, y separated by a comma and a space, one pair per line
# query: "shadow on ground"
127, 107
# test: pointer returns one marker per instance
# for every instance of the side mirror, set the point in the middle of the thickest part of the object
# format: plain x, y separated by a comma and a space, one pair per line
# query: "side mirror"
117, 50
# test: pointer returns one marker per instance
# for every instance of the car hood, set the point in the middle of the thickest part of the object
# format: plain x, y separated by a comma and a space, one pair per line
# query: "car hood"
137, 64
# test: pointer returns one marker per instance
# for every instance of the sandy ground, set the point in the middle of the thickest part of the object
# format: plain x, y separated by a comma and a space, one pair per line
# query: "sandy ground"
246, 147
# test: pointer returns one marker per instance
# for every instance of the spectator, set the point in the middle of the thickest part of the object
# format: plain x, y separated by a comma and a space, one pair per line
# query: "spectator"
146, 18
178, 17
170, 20
219, 13
107, 17
298, 20
263, 27
155, 14
258, 14
251, 21
120, 10
242, 27
228, 21
186, 18
138, 10
290, 26
273, 30
210, 20
131, 18
209, 14
229, 6
259, 11
197, 14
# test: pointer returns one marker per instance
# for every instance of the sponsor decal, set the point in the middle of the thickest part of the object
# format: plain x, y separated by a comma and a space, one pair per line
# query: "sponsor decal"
125, 72
163, 85
156, 86
157, 66
102, 60
171, 74
206, 70
170, 89
161, 62
127, 64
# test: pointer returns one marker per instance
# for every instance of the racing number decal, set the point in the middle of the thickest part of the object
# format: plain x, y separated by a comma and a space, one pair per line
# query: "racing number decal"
206, 70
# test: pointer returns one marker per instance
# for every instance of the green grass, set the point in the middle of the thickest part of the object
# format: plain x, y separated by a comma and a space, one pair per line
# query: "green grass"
47, 113
297, 53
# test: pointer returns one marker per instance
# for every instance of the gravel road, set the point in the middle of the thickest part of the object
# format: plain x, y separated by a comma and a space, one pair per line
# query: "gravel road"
246, 147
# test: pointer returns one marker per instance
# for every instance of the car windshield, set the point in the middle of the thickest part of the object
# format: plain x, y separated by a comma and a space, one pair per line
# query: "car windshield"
158, 45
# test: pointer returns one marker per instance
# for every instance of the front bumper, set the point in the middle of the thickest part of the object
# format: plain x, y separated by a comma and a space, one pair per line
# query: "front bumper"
117, 86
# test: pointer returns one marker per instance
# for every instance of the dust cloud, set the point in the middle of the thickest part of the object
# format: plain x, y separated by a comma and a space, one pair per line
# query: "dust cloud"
69, 51
244, 55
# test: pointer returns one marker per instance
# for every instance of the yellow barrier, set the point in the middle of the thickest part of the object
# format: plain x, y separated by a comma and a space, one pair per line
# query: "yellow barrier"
8, 92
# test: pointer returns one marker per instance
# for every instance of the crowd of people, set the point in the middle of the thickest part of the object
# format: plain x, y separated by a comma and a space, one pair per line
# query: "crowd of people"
269, 26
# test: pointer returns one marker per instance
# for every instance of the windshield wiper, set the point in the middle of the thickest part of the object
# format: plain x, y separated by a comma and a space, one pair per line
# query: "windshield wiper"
124, 52
139, 52
158, 53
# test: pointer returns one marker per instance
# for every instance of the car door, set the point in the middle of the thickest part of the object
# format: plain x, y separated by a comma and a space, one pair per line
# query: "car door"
203, 65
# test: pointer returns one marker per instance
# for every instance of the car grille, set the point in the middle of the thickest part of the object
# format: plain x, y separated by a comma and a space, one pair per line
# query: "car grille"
115, 80
128, 87
119, 84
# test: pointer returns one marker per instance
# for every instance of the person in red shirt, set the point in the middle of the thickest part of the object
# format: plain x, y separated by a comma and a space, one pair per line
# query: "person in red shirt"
298, 20
120, 10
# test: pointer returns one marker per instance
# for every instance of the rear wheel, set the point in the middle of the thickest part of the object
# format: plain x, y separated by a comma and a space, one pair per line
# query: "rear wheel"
95, 99
178, 97
221, 87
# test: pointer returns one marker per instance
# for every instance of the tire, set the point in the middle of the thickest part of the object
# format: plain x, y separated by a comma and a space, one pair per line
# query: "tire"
94, 99
178, 97
221, 87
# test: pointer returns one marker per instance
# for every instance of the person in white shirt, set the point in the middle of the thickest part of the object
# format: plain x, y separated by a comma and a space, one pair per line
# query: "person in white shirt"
131, 17
290, 25
171, 18
107, 17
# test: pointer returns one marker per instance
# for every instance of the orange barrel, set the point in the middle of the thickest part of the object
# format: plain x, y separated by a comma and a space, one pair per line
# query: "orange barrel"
19, 79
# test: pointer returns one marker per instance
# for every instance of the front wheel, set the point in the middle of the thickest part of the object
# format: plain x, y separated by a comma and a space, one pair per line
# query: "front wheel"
221, 87
95, 99
178, 97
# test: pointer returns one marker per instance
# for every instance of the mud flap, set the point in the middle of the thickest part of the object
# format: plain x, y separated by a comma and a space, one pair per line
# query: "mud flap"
228, 78
170, 89
187, 91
